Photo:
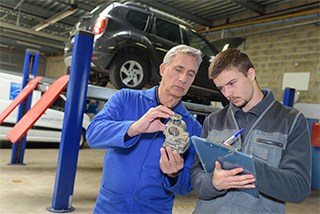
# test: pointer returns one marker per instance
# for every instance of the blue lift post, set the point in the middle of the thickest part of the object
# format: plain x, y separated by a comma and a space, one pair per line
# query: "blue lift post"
30, 62
72, 123
288, 97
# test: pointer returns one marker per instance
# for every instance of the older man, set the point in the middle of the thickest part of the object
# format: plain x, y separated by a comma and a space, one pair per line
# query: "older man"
140, 176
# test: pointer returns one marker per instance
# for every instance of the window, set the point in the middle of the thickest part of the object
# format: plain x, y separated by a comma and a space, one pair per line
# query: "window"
197, 42
137, 19
168, 31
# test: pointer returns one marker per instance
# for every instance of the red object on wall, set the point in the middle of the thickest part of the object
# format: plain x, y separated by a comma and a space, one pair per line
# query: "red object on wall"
315, 134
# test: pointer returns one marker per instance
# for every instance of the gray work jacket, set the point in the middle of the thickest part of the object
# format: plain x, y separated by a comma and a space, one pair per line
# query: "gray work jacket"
280, 144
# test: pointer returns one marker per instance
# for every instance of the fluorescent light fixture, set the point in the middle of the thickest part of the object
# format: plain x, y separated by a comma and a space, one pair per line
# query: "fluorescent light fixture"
28, 44
54, 19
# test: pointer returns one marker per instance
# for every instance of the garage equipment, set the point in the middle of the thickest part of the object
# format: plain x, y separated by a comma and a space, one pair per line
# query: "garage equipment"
176, 136
315, 142
31, 117
30, 64
288, 96
71, 130
315, 134
20, 98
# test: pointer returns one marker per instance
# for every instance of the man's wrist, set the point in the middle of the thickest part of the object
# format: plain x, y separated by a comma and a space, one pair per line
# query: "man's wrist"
173, 175
132, 131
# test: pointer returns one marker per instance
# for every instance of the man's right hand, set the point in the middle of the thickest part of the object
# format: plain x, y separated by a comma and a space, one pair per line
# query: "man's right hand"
150, 121
227, 179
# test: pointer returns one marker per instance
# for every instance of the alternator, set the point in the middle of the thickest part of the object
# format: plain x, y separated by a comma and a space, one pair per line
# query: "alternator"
176, 136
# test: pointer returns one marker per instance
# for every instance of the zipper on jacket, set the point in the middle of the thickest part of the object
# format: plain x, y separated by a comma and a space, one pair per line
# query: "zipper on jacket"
270, 142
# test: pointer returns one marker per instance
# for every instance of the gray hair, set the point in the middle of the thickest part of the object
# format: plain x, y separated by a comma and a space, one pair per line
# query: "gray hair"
183, 49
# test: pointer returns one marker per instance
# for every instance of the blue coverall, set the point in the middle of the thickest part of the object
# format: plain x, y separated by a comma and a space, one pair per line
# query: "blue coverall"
132, 181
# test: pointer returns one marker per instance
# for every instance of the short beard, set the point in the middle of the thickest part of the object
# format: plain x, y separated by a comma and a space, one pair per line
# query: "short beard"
244, 104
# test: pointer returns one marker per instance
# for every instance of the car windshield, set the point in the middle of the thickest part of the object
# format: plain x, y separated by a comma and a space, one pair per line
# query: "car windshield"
197, 42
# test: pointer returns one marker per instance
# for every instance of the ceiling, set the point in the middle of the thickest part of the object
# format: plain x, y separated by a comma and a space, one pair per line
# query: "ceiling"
45, 24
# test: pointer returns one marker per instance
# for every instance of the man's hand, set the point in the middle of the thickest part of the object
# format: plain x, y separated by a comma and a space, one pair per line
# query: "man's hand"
170, 162
150, 121
227, 179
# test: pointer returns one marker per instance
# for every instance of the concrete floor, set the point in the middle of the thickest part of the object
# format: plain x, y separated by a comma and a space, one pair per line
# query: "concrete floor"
28, 188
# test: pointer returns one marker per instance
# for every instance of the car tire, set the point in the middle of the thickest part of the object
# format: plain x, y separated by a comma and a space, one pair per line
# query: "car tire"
129, 71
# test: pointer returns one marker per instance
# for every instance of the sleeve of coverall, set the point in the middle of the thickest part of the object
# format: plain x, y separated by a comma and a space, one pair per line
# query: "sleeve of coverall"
107, 129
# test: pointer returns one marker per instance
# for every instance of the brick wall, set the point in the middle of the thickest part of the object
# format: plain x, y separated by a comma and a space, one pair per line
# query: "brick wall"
273, 53
55, 67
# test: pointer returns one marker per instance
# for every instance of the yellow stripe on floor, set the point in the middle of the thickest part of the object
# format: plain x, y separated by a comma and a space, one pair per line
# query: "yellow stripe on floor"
183, 206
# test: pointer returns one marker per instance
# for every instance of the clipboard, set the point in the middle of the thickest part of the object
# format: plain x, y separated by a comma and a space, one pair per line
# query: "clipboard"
229, 158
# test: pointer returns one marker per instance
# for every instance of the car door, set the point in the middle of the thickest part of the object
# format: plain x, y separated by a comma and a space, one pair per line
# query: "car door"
164, 36
194, 40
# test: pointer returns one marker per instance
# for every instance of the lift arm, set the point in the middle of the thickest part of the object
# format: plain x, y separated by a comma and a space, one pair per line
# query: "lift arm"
31, 117
19, 99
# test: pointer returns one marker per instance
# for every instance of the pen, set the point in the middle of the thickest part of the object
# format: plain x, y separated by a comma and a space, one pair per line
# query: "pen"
229, 142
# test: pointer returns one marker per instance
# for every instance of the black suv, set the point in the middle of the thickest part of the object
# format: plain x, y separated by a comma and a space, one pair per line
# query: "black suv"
130, 43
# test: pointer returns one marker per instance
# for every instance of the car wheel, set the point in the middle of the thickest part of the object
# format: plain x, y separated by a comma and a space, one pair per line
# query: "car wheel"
129, 72
82, 139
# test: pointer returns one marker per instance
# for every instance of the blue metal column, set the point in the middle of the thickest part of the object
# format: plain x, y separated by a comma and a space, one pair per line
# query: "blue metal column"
30, 62
72, 123
288, 97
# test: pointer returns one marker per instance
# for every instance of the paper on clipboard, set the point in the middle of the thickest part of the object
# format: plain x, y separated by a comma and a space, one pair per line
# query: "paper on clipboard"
209, 152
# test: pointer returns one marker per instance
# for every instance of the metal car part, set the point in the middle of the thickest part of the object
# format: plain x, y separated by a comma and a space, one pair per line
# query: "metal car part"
176, 136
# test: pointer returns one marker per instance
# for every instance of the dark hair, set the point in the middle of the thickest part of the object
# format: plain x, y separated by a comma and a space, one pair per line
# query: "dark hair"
229, 58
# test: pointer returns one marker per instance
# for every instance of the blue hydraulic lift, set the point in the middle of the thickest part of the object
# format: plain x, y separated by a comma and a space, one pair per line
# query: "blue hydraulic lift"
30, 64
288, 96
71, 130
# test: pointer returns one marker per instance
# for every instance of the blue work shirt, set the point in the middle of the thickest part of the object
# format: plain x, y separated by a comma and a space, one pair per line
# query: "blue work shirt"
132, 181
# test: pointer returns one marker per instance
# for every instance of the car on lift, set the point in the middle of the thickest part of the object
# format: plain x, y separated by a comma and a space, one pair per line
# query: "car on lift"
48, 128
130, 42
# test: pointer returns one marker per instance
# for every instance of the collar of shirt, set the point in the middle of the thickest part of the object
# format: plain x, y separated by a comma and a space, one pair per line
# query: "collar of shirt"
159, 102
151, 95
260, 107
246, 119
